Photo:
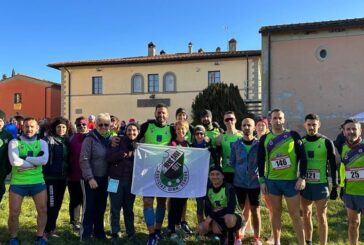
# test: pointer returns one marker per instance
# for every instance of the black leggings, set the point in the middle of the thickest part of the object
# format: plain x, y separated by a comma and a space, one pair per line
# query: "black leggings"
175, 212
55, 193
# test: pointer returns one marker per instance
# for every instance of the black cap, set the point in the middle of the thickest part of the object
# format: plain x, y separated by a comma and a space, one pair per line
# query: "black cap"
206, 112
181, 110
216, 168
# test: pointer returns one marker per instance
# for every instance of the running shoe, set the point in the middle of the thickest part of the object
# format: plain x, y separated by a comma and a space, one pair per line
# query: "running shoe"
185, 228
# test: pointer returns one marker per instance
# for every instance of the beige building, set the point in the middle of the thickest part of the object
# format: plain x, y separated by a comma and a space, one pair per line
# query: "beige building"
131, 87
314, 67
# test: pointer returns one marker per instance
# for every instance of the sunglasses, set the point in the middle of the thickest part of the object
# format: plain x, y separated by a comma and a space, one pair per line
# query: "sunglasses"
199, 133
105, 125
81, 124
229, 119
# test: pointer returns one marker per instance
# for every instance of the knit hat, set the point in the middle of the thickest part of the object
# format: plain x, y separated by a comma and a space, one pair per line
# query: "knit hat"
199, 128
216, 168
206, 112
263, 119
181, 110
132, 124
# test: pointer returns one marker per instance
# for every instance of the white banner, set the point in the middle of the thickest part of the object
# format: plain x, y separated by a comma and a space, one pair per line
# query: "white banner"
168, 171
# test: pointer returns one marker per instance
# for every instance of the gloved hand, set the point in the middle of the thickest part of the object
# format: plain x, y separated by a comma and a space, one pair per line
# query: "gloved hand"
333, 193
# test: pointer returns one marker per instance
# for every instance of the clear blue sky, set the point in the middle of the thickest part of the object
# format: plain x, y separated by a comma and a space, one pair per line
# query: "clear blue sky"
38, 32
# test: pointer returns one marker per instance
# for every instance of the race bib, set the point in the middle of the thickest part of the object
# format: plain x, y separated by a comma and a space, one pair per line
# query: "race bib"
281, 162
113, 185
313, 175
355, 174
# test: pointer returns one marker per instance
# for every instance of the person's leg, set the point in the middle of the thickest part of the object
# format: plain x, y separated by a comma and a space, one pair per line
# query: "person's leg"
200, 209
89, 198
353, 226
276, 202
160, 212
55, 190
40, 200
321, 208
15, 202
247, 215
75, 195
253, 197
2, 188
269, 207
100, 206
149, 216
307, 218
294, 212
128, 206
116, 200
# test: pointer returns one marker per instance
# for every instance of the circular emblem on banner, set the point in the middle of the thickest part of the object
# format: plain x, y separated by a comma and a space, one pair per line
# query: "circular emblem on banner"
172, 174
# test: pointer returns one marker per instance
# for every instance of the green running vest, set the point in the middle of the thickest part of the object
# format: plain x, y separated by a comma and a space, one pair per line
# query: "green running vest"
158, 136
316, 154
219, 199
29, 176
354, 172
226, 141
212, 134
281, 155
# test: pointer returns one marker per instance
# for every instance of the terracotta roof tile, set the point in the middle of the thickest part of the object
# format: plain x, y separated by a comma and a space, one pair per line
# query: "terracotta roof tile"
311, 26
158, 58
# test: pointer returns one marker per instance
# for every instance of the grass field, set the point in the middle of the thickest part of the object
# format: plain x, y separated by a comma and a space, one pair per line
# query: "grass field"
336, 217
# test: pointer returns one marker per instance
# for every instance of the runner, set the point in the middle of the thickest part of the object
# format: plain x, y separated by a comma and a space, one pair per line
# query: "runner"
56, 170
212, 132
244, 160
155, 132
5, 166
279, 154
223, 143
221, 209
320, 153
27, 155
352, 155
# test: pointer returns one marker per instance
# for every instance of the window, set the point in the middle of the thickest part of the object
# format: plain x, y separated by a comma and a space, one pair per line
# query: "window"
169, 82
96, 85
214, 77
17, 98
322, 53
153, 83
137, 83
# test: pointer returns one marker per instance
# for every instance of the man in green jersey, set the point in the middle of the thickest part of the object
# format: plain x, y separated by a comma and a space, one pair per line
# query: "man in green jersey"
158, 132
27, 155
320, 154
352, 156
279, 154
223, 143
212, 131
5, 166
221, 208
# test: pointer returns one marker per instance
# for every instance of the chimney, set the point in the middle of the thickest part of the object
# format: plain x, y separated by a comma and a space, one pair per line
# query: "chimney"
151, 49
232, 45
190, 48
218, 50
162, 52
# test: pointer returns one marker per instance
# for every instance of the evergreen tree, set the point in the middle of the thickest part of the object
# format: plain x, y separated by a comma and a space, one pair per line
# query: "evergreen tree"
13, 73
4, 76
219, 98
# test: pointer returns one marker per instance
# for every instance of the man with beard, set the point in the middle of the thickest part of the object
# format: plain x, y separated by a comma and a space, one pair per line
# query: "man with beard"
243, 159
158, 132
352, 156
320, 154
212, 131
280, 153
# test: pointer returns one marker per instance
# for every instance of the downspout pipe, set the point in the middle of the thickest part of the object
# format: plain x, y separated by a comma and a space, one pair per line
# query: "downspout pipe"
269, 75
247, 76
69, 93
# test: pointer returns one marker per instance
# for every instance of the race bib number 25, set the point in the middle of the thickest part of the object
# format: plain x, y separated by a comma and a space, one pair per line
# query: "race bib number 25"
355, 174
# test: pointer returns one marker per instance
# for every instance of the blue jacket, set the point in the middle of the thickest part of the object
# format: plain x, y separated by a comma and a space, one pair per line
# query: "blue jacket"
245, 164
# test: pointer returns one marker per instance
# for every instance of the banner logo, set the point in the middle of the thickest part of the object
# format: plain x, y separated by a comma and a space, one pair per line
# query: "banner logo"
172, 174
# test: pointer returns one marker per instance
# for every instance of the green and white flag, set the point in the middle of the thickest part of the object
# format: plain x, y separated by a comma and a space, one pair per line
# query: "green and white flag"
169, 171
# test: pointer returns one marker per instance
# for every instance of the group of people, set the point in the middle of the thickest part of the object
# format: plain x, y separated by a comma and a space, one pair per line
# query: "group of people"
261, 158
